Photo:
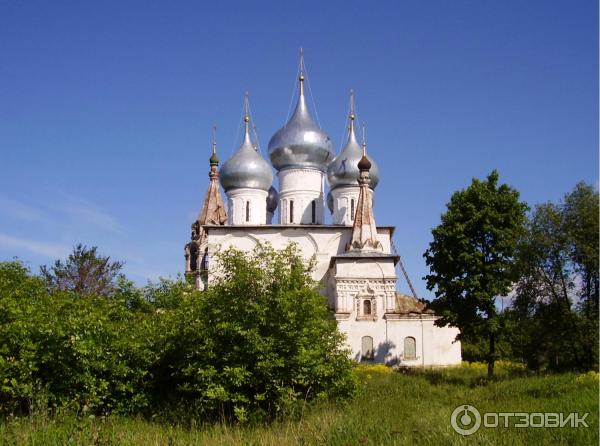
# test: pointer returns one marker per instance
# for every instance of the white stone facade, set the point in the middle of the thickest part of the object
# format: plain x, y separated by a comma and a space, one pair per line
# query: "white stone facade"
247, 206
345, 199
348, 283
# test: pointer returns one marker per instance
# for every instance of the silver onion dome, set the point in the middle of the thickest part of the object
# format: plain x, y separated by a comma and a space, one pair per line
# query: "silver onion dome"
272, 200
300, 142
343, 170
246, 168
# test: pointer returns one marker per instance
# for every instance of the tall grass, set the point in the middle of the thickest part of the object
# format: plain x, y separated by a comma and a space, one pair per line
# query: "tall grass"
393, 407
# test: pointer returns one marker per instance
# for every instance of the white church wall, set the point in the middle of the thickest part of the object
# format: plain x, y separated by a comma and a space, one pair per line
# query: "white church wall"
345, 200
440, 347
434, 345
247, 206
355, 330
301, 186
321, 241
365, 269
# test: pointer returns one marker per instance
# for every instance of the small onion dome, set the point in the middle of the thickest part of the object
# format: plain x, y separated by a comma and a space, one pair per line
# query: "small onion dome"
344, 169
246, 168
300, 142
364, 164
272, 200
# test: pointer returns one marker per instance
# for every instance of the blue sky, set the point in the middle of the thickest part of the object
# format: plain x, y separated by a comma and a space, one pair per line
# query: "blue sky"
106, 109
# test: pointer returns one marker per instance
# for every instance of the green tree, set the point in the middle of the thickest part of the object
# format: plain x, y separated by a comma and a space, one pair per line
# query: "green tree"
258, 341
556, 299
20, 295
57, 349
580, 210
471, 258
85, 272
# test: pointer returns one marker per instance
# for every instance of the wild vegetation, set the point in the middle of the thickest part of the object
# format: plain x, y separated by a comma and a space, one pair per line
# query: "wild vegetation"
550, 321
87, 357
390, 408
472, 258
260, 341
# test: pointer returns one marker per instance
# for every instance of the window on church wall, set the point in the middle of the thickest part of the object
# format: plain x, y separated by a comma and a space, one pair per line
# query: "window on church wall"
366, 349
352, 209
367, 308
204, 263
291, 211
193, 257
247, 211
410, 348
314, 211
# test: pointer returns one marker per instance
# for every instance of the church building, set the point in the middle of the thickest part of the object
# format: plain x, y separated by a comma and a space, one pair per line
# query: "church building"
355, 259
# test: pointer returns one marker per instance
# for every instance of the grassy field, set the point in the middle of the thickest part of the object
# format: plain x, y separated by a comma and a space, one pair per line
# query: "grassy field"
392, 408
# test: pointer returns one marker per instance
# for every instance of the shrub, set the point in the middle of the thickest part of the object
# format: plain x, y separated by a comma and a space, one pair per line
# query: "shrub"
260, 340
20, 297
89, 353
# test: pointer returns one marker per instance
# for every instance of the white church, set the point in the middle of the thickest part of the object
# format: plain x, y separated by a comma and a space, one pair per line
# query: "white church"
355, 259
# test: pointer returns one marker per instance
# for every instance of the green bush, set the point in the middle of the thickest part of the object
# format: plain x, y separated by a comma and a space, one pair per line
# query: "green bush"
253, 346
89, 353
259, 341
20, 298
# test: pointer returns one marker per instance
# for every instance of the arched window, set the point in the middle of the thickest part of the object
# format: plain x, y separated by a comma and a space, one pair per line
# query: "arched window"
193, 257
352, 209
314, 211
204, 263
367, 347
291, 211
247, 211
367, 307
410, 348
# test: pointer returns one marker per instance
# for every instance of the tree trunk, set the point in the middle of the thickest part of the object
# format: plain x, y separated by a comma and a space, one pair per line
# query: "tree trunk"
492, 355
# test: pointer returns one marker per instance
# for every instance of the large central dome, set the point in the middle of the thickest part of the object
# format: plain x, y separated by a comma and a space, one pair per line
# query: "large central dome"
300, 143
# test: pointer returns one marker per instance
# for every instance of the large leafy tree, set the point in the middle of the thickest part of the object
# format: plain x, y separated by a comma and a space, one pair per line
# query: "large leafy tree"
84, 272
580, 213
556, 299
471, 258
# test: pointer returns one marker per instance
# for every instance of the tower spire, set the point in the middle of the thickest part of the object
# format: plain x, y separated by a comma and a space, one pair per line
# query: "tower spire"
247, 119
213, 210
351, 118
214, 159
301, 75
364, 229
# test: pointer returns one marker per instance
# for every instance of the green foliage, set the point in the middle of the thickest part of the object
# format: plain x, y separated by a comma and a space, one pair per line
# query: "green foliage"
253, 347
90, 354
471, 258
20, 297
260, 340
390, 409
555, 307
85, 272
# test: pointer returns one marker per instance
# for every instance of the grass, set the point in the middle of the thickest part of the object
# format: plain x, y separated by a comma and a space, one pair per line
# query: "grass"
395, 408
